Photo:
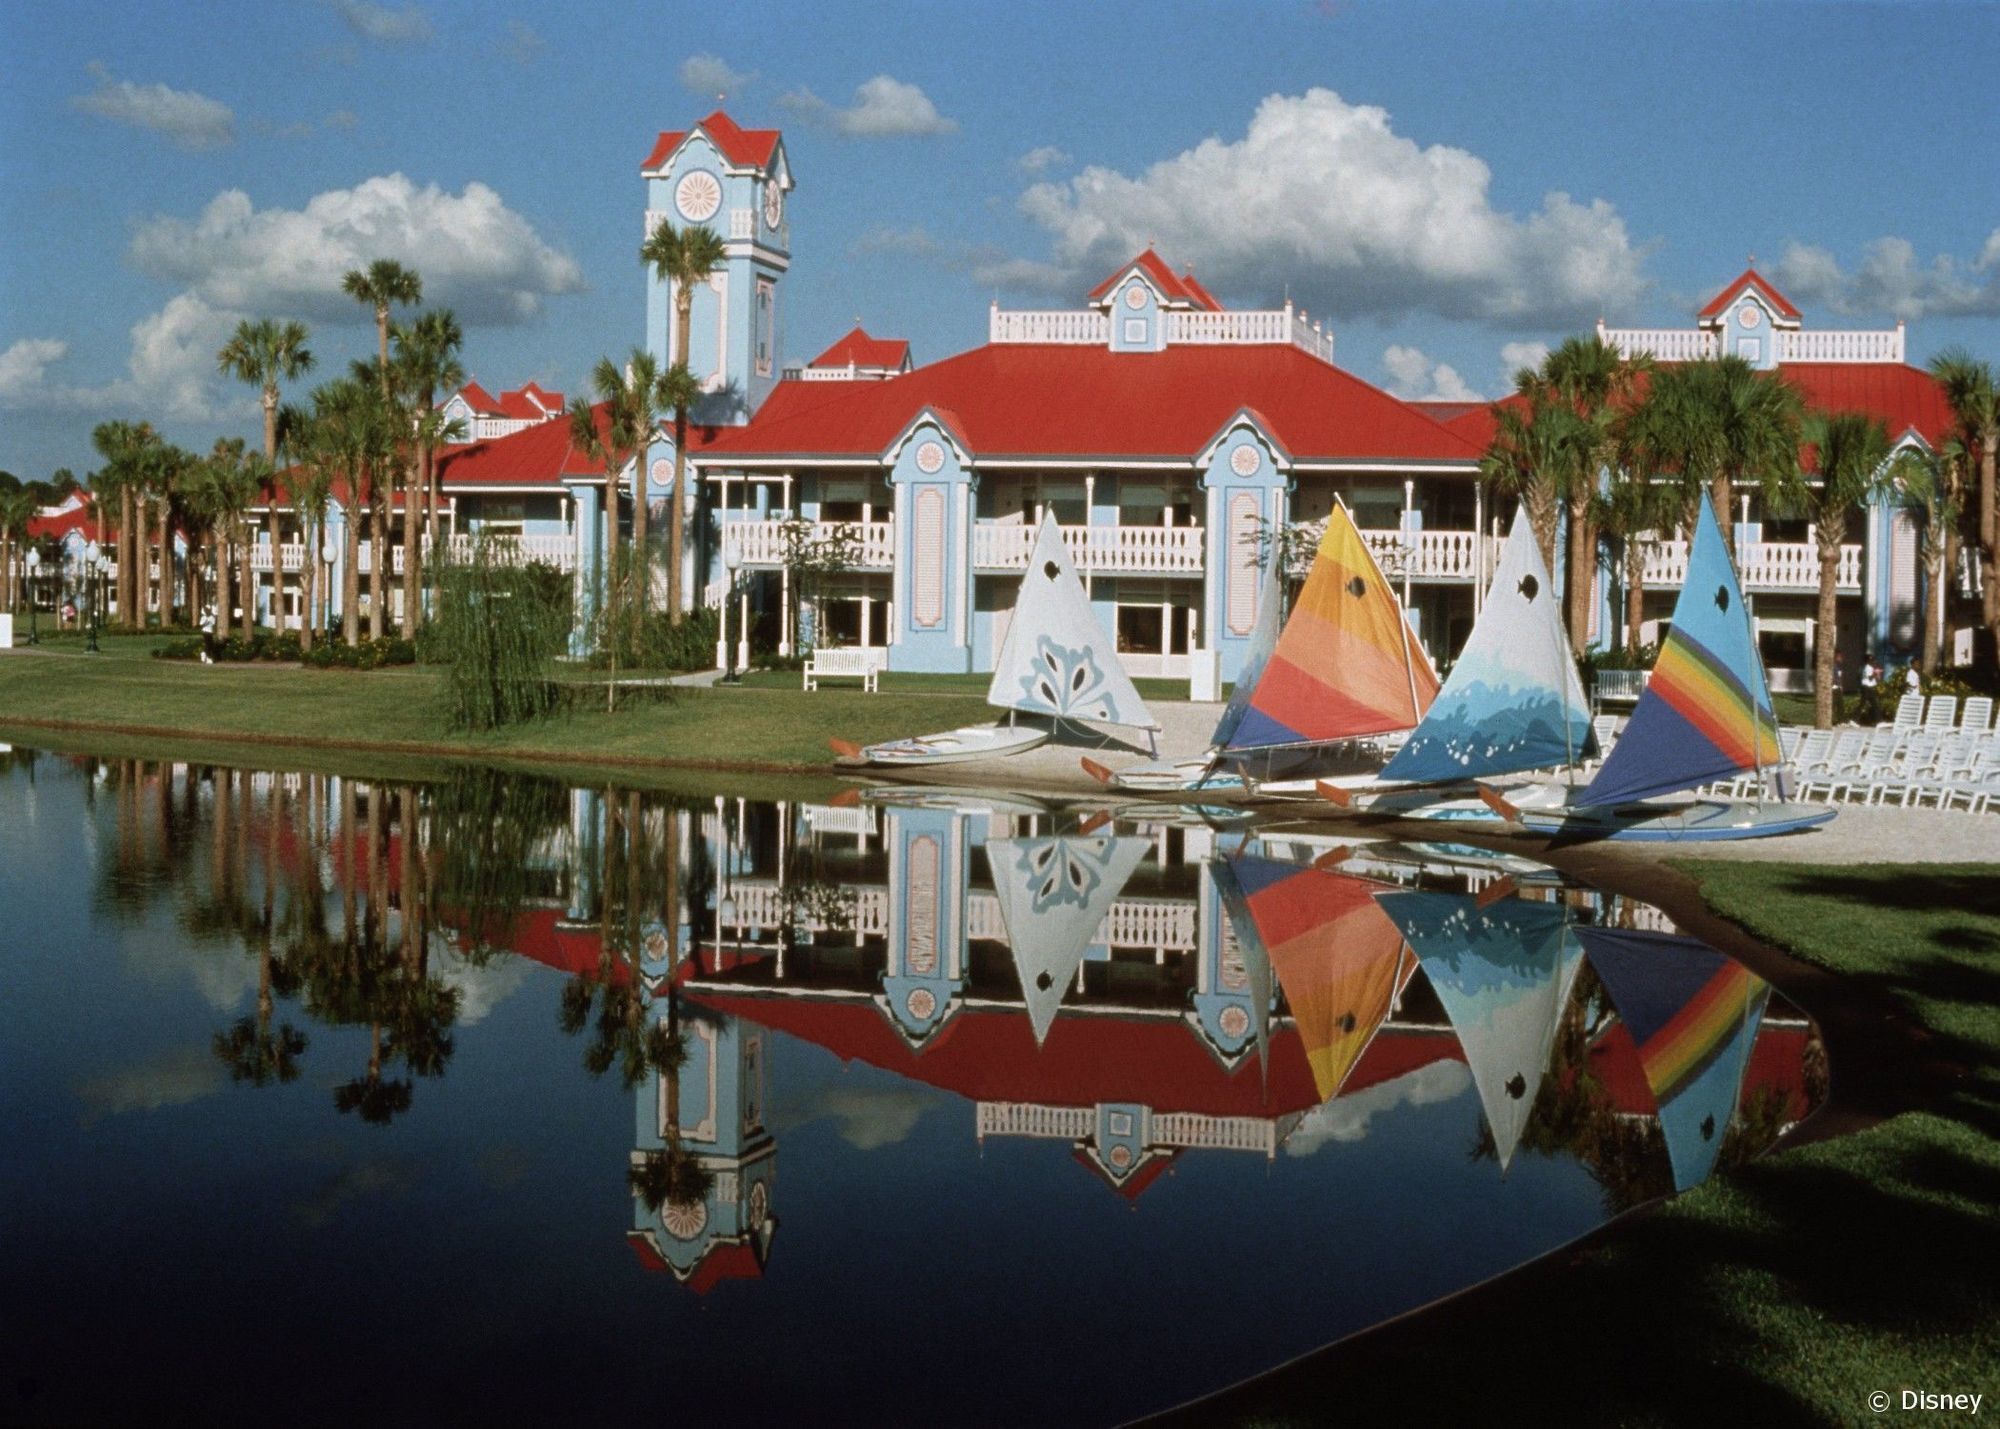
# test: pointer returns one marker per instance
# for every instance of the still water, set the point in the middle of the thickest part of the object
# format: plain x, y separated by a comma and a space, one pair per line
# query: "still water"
326, 1098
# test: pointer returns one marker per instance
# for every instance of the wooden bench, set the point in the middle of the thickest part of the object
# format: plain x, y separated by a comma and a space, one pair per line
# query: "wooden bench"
844, 662
1619, 686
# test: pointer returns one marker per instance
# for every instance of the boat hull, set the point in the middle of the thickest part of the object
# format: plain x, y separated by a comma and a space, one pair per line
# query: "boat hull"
1702, 821
955, 746
1177, 776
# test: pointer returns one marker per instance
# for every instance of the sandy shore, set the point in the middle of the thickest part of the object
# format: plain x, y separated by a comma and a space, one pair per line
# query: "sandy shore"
1860, 834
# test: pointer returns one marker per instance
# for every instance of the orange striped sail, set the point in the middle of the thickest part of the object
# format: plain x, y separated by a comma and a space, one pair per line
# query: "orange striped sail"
1346, 663
1337, 955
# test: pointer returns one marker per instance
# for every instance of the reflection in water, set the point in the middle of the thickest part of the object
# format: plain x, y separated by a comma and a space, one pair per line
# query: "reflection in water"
1143, 996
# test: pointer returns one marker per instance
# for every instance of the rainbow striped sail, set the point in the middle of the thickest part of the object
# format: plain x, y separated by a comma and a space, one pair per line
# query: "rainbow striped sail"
1706, 713
1346, 664
1337, 957
1694, 1015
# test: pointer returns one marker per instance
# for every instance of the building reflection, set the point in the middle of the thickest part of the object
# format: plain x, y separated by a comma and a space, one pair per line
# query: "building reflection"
1129, 991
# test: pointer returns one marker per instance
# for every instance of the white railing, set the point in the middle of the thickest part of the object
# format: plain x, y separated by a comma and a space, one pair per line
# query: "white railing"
1065, 325
1432, 555
1275, 325
1198, 1131
1055, 1123
762, 543
292, 557
1664, 344
1878, 346
1762, 565
558, 551
1152, 550
1149, 923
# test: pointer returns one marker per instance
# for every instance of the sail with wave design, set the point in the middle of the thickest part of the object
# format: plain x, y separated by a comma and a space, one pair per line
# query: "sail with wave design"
1054, 894
1513, 700
1337, 958
1694, 1015
1057, 659
1706, 713
1346, 663
1504, 974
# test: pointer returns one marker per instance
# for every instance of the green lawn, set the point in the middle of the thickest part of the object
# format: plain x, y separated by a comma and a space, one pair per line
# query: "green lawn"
1784, 1291
910, 682
395, 711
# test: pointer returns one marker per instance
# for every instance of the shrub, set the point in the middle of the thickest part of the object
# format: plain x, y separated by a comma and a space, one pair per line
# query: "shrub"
236, 649
496, 628
368, 655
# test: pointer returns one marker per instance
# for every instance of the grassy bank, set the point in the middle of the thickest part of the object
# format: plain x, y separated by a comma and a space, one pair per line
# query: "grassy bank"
1788, 1290
395, 711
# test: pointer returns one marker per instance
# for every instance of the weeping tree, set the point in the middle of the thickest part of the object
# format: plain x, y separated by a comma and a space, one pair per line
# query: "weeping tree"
498, 625
813, 554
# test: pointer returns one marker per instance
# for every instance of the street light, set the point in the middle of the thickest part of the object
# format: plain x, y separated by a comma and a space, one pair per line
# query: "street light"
328, 552
732, 558
34, 565
93, 568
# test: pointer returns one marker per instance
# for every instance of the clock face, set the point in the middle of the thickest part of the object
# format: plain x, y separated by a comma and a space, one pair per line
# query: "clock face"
698, 196
1135, 297
774, 205
1748, 315
930, 458
1245, 460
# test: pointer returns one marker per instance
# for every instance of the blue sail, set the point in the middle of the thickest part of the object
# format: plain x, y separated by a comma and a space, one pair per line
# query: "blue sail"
1706, 714
1513, 700
1693, 1015
1263, 640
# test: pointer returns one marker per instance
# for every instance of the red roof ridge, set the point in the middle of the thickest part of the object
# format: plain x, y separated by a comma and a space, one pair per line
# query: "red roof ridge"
1162, 277
1750, 278
859, 349
747, 148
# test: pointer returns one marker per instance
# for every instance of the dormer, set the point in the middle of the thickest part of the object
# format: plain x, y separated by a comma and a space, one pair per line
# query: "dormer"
858, 357
1746, 318
1136, 298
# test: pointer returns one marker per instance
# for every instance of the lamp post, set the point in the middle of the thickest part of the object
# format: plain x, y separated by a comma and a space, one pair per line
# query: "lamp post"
327, 552
732, 557
34, 566
93, 568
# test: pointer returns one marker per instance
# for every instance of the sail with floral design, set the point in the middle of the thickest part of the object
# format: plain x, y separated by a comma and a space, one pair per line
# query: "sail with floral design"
1054, 894
1346, 664
1057, 659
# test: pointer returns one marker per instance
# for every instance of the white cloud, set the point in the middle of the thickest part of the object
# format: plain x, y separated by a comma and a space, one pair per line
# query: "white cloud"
1041, 159
883, 108
407, 26
1413, 377
1345, 1119
867, 1118
474, 253
24, 368
1360, 221
193, 121
1516, 355
988, 266
174, 1077
712, 77
1891, 281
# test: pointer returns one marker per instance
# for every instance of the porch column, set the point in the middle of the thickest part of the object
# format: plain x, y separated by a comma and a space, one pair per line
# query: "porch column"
589, 564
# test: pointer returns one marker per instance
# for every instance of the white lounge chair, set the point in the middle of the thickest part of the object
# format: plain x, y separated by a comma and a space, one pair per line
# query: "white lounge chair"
1909, 714
1977, 716
1942, 713
1912, 769
1824, 779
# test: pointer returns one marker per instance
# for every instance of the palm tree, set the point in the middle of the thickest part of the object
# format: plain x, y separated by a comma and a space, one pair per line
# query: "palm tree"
18, 506
264, 353
167, 471
1597, 382
681, 258
1975, 400
384, 282
354, 426
1534, 448
123, 446
1852, 450
438, 334
1927, 480
1757, 416
1635, 505
426, 360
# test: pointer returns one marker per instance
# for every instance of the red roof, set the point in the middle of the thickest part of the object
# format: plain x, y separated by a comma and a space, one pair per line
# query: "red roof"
1751, 279
858, 349
1033, 400
1175, 289
530, 403
540, 455
79, 513
480, 400
1903, 398
746, 148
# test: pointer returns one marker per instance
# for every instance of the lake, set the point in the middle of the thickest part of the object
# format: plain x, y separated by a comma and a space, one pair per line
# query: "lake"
328, 1098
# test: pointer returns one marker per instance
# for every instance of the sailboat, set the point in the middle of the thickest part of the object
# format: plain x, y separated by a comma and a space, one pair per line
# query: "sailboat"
1338, 959
1054, 894
1694, 1015
1057, 661
1343, 666
1705, 714
1512, 702
1504, 974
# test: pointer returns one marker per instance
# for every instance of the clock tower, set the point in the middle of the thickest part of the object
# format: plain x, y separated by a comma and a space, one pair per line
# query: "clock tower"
736, 182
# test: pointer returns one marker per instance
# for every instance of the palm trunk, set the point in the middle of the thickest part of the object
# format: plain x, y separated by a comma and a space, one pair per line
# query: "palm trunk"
218, 556
677, 512
1989, 534
164, 577
312, 535
1635, 593
271, 521
1933, 600
1826, 639
412, 493
1720, 494
1543, 518
642, 568
6, 574
246, 576
378, 565
1582, 576
128, 561
350, 575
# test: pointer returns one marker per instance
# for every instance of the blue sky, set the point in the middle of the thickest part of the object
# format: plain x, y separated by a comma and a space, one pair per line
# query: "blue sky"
1446, 183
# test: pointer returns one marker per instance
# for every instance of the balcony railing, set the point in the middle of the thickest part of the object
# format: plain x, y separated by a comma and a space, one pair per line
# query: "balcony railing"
291, 557
1878, 346
558, 550
1150, 923
1439, 555
762, 543
1762, 565
1663, 344
1088, 327
1147, 550
1079, 327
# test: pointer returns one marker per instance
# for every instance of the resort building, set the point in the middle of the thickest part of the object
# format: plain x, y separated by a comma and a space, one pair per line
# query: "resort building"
1171, 435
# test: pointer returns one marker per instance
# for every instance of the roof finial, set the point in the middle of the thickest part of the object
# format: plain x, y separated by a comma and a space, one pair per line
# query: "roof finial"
1753, 261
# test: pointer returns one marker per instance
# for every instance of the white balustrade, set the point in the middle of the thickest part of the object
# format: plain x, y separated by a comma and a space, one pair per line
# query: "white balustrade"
762, 543
1064, 325
1198, 1131
1662, 344
1053, 1123
291, 557
1149, 923
1148, 550
552, 550
1089, 327
742, 223
1884, 345
1761, 565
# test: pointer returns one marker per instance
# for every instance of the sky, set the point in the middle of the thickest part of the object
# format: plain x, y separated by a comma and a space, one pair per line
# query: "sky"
1450, 186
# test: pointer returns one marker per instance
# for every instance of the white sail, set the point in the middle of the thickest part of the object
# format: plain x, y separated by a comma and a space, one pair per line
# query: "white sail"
1054, 894
1057, 660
